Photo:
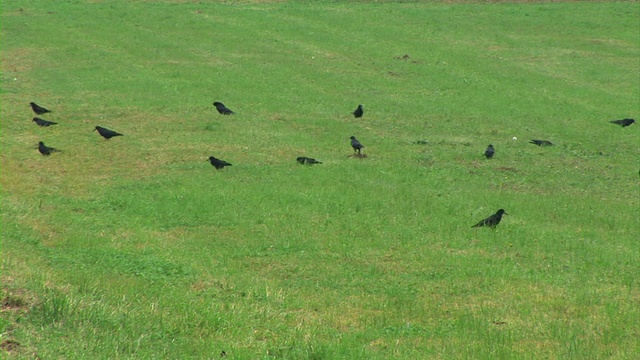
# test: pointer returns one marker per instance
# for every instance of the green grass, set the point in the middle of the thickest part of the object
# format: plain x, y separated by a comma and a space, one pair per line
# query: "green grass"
136, 248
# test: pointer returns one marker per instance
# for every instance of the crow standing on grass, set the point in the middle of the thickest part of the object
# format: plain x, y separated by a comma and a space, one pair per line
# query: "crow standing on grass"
492, 221
38, 109
106, 133
222, 109
623, 122
489, 152
356, 145
43, 122
541, 142
359, 112
306, 160
217, 163
45, 150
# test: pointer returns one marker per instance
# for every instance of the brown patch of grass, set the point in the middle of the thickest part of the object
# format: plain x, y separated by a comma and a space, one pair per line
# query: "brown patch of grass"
88, 161
13, 302
349, 316
378, 344
9, 345
277, 117
16, 61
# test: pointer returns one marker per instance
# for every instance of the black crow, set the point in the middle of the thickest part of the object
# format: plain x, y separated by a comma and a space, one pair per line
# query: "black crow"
623, 122
222, 109
217, 163
541, 142
359, 112
308, 161
38, 109
492, 221
356, 145
43, 122
106, 133
489, 152
45, 150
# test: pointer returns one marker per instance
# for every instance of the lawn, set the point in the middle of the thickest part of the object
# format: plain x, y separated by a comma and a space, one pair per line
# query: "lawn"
137, 248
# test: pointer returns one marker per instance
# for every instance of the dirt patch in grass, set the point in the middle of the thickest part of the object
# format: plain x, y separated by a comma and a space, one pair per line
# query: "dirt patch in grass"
9, 345
12, 299
13, 302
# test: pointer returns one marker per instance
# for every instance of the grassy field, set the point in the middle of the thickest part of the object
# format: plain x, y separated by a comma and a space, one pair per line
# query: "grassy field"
137, 248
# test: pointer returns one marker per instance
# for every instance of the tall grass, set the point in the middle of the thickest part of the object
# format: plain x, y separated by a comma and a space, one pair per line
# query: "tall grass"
137, 248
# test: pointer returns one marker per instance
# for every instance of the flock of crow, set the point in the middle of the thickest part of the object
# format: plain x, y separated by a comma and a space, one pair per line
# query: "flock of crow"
491, 221
45, 150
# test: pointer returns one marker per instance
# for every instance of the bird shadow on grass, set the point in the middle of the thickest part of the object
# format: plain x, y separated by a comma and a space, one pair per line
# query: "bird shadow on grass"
358, 156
